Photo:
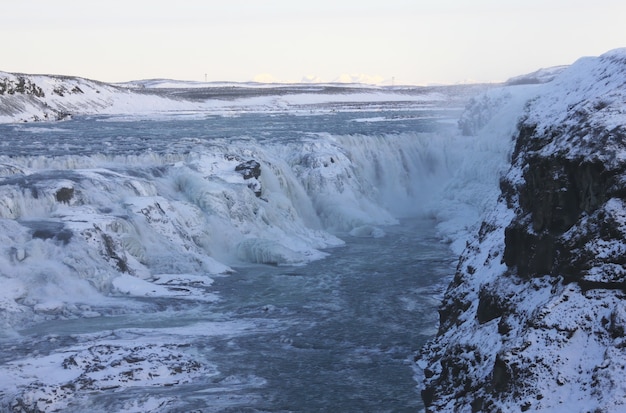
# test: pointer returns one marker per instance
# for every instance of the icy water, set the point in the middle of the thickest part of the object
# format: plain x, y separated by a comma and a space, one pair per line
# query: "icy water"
335, 334
174, 133
350, 324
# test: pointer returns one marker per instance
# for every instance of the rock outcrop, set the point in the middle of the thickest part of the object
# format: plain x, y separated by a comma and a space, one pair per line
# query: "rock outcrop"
251, 171
535, 317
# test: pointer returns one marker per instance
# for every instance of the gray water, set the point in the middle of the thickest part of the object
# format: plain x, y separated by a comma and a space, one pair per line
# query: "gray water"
352, 324
176, 133
336, 335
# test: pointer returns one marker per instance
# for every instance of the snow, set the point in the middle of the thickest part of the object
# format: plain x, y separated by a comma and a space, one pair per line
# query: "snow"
131, 218
121, 362
173, 286
591, 85
97, 236
543, 75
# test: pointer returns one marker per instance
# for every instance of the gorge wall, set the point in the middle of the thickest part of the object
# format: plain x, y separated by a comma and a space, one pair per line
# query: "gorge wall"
534, 319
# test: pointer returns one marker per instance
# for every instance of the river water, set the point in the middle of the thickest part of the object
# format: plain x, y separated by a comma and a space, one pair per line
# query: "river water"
351, 323
333, 334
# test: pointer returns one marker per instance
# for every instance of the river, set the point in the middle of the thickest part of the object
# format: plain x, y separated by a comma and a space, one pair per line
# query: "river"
118, 231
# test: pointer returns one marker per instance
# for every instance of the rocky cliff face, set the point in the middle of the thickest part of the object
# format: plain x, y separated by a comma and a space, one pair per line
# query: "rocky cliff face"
535, 317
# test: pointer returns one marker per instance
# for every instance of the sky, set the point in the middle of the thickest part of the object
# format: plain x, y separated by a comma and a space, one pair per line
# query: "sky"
385, 41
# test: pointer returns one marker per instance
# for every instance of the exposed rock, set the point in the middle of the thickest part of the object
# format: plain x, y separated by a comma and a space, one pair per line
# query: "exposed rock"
20, 85
64, 195
251, 170
490, 305
33, 98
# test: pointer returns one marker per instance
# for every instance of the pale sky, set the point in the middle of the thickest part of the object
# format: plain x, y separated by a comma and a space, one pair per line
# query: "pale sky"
410, 41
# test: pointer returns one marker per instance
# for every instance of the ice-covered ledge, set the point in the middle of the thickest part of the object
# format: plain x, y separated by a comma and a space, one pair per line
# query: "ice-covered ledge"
535, 317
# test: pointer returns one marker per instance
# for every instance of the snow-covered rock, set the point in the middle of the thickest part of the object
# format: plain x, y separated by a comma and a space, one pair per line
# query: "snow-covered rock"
543, 75
535, 317
26, 98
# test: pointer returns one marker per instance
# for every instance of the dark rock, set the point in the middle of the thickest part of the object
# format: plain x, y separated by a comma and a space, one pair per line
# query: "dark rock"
109, 246
249, 169
23, 86
501, 376
617, 323
558, 192
477, 405
59, 90
428, 395
490, 305
504, 326
63, 115
530, 253
65, 195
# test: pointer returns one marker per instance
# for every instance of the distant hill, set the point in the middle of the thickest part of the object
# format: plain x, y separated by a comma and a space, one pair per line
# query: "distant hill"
540, 76
26, 98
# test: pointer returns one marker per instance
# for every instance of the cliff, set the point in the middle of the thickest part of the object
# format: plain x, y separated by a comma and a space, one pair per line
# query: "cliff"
534, 319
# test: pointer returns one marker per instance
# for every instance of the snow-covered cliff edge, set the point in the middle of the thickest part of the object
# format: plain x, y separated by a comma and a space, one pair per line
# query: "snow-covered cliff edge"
25, 98
535, 317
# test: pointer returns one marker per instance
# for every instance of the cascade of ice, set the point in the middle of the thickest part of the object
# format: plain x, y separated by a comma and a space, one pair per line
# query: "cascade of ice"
480, 157
199, 212
405, 172
324, 182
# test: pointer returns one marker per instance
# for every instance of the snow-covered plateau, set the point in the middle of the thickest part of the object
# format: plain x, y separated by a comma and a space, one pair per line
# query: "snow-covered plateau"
535, 318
